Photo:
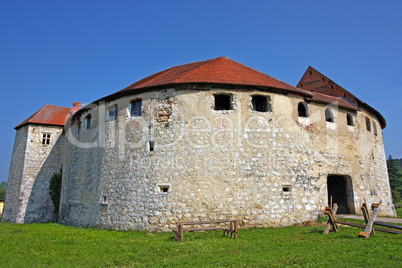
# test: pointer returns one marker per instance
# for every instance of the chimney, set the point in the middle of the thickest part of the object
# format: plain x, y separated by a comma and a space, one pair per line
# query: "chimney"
76, 106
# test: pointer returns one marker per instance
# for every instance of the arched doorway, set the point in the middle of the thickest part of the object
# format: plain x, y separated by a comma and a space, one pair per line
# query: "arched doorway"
340, 188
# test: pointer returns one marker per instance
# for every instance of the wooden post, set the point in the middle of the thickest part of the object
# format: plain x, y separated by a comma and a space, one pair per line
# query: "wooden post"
370, 223
331, 219
181, 232
235, 229
366, 216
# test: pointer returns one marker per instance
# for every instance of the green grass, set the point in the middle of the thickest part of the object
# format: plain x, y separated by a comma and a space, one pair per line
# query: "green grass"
57, 245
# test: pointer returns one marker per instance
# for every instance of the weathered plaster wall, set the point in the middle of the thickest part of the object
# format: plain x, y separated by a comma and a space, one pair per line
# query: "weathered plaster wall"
217, 164
30, 172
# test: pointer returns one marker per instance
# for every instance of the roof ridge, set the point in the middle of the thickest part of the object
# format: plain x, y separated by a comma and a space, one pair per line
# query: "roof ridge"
58, 106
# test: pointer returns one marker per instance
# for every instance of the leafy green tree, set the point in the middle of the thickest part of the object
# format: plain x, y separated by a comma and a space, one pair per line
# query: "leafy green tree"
55, 190
2, 193
3, 187
395, 177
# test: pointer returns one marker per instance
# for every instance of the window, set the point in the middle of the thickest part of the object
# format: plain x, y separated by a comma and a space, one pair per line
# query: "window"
349, 119
375, 128
329, 115
368, 125
302, 109
261, 103
223, 102
136, 107
111, 113
88, 122
46, 138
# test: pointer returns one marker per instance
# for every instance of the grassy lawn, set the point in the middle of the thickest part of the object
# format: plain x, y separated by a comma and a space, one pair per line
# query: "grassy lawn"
57, 245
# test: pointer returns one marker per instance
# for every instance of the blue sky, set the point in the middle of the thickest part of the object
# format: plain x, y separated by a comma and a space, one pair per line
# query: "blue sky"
57, 52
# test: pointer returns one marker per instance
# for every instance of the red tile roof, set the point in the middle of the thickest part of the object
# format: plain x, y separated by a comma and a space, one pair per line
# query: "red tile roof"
317, 83
220, 70
49, 115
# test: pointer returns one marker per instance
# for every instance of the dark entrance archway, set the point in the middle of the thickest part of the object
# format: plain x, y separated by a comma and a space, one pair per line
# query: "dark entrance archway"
340, 188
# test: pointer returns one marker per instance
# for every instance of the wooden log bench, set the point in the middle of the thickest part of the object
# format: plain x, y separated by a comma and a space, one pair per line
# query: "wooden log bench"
231, 230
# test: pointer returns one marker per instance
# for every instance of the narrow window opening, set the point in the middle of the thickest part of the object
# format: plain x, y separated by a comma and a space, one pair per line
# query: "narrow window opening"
261, 104
223, 102
46, 139
151, 146
311, 73
344, 95
163, 188
329, 115
368, 125
302, 109
323, 79
375, 128
79, 126
301, 85
349, 119
88, 121
136, 107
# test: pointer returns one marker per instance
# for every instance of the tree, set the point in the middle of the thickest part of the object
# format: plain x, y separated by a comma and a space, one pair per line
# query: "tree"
395, 176
3, 187
55, 190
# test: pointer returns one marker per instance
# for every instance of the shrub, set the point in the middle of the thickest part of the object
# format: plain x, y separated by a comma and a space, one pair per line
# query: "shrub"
55, 190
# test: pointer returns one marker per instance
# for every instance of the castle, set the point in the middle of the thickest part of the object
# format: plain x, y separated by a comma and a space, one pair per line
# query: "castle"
201, 141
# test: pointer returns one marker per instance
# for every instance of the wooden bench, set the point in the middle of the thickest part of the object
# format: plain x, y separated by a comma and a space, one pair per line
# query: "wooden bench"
231, 230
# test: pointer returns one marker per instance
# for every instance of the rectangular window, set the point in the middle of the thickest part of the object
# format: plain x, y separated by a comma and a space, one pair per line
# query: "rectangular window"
136, 107
223, 102
46, 138
368, 124
375, 128
88, 122
111, 113
261, 103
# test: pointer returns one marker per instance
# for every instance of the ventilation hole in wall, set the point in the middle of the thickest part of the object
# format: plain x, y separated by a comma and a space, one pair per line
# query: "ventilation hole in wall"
151, 146
323, 79
163, 188
332, 87
286, 188
344, 95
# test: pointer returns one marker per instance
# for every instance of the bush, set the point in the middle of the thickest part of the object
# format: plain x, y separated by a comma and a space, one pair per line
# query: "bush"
55, 190
395, 196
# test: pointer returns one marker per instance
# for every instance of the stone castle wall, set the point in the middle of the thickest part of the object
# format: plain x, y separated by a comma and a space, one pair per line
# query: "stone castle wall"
33, 164
15, 175
264, 169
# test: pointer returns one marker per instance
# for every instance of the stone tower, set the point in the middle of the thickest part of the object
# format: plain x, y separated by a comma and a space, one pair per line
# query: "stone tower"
36, 156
